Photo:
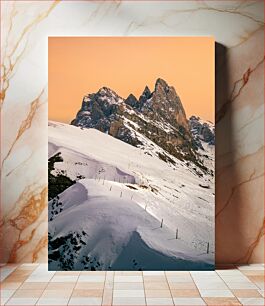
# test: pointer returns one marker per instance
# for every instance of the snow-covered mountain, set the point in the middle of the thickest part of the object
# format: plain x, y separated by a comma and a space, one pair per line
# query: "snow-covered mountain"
158, 116
120, 206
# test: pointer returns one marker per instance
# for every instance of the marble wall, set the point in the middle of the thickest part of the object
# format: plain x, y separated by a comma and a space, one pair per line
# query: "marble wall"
238, 27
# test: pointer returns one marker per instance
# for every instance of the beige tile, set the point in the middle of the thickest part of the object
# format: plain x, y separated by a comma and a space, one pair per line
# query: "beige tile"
87, 293
246, 293
128, 279
16, 278
253, 272
256, 278
159, 301
157, 293
189, 301
221, 301
152, 279
53, 301
22, 301
10, 285
32, 286
56, 294
176, 273
156, 285
129, 286
67, 273
128, 293
107, 298
85, 301
182, 286
29, 293
93, 273
185, 293
89, 285
129, 301
60, 286
128, 273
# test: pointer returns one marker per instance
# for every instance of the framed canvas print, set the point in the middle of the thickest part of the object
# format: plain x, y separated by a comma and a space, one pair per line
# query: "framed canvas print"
131, 153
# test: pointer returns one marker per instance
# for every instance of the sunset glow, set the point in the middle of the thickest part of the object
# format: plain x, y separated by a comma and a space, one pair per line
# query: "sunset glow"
82, 65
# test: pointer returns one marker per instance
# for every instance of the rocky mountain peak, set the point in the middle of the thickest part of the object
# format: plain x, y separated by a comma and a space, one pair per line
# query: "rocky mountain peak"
157, 115
132, 101
160, 83
145, 95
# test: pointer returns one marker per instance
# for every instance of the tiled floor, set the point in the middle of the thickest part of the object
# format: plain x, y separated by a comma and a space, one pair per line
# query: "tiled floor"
33, 284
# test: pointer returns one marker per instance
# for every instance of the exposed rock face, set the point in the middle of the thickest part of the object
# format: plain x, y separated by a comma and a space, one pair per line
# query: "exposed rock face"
202, 131
157, 115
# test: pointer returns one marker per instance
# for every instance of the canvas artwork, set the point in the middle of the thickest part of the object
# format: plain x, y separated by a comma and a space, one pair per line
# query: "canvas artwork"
131, 153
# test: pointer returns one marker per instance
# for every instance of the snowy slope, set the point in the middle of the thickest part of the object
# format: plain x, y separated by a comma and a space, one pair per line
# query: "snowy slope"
118, 205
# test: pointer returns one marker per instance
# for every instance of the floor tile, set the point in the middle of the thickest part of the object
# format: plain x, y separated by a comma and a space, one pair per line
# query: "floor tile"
253, 272
251, 301
128, 279
53, 301
211, 285
129, 286
260, 285
70, 273
61, 286
184, 293
85, 301
89, 285
91, 273
128, 273
7, 293
246, 293
39, 278
215, 301
128, 293
89, 278
28, 293
177, 273
245, 285
22, 301
156, 285
188, 301
3, 300
87, 293
232, 272
182, 286
6, 271
128, 301
56, 294
216, 293
34, 286
256, 278
261, 292
64, 279
155, 278
9, 285
157, 293
203, 273
152, 273
179, 278
159, 301
107, 298
250, 267
235, 278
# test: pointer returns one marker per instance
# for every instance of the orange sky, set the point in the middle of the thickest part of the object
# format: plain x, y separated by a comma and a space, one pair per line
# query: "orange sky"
81, 65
